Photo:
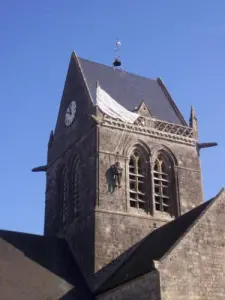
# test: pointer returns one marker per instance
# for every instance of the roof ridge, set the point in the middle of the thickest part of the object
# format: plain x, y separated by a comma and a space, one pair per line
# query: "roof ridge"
130, 255
156, 234
77, 61
116, 70
172, 102
208, 204
19, 232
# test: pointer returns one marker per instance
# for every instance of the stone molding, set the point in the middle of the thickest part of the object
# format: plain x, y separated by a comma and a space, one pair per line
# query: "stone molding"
155, 128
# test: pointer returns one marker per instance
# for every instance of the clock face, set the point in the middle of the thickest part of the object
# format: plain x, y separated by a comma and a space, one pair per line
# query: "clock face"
70, 113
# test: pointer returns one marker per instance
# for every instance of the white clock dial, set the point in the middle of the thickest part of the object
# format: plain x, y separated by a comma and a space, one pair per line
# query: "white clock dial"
70, 113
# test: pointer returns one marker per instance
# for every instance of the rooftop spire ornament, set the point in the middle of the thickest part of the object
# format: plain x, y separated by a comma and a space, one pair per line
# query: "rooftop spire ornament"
117, 62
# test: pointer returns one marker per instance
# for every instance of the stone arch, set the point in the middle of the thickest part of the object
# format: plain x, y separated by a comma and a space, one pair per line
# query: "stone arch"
166, 151
165, 184
138, 143
138, 176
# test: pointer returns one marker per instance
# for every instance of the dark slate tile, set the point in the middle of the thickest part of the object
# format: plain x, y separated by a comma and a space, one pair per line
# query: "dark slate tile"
31, 251
129, 90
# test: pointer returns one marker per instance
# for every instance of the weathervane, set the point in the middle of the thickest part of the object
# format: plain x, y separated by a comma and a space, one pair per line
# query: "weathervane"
117, 62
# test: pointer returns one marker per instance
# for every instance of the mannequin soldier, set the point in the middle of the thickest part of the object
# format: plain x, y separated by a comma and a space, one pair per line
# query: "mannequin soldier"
117, 174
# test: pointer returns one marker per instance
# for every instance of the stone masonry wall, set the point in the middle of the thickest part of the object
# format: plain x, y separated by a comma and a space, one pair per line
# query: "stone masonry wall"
77, 139
116, 232
188, 167
118, 226
87, 191
80, 233
146, 287
194, 269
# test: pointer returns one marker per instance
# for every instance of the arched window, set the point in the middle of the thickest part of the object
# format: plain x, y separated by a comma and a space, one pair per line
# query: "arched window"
63, 195
137, 179
163, 181
76, 187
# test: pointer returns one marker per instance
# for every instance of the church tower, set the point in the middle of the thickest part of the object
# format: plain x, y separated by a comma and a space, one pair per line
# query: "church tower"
110, 182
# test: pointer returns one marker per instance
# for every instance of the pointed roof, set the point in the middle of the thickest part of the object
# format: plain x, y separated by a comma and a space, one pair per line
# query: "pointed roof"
193, 119
154, 247
130, 89
143, 110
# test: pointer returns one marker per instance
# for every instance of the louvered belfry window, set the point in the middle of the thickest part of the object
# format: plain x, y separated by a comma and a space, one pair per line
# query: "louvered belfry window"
137, 180
63, 195
76, 187
162, 184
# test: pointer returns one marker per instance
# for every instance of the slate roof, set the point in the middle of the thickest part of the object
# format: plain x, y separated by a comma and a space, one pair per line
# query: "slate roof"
153, 247
130, 89
38, 267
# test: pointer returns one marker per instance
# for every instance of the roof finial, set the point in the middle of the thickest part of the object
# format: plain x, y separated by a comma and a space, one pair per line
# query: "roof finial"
193, 119
193, 123
51, 137
117, 62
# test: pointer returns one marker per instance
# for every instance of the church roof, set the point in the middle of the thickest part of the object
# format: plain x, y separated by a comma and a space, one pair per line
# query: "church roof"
153, 248
38, 267
130, 89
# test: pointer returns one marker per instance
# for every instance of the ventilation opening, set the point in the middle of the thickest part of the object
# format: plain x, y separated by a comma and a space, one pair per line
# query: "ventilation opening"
137, 180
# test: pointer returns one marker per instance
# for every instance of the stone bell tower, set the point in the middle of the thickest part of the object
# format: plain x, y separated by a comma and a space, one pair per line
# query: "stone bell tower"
103, 208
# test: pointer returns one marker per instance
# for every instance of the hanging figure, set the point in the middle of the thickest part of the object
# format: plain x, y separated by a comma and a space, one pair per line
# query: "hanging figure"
117, 174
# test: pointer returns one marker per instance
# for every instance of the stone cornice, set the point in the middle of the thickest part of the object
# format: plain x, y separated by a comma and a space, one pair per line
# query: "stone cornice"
155, 128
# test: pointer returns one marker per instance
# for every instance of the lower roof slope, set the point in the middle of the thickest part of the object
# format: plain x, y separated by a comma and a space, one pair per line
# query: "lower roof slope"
153, 248
38, 267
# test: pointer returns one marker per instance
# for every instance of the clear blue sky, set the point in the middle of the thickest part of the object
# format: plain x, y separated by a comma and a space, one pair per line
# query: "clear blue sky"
183, 42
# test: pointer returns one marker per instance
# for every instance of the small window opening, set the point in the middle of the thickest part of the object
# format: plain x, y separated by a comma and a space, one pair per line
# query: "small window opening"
162, 182
137, 176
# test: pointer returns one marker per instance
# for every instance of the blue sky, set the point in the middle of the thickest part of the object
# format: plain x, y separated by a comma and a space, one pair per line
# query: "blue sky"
183, 42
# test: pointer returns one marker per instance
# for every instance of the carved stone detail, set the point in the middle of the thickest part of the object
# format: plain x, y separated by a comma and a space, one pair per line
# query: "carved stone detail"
154, 128
173, 128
